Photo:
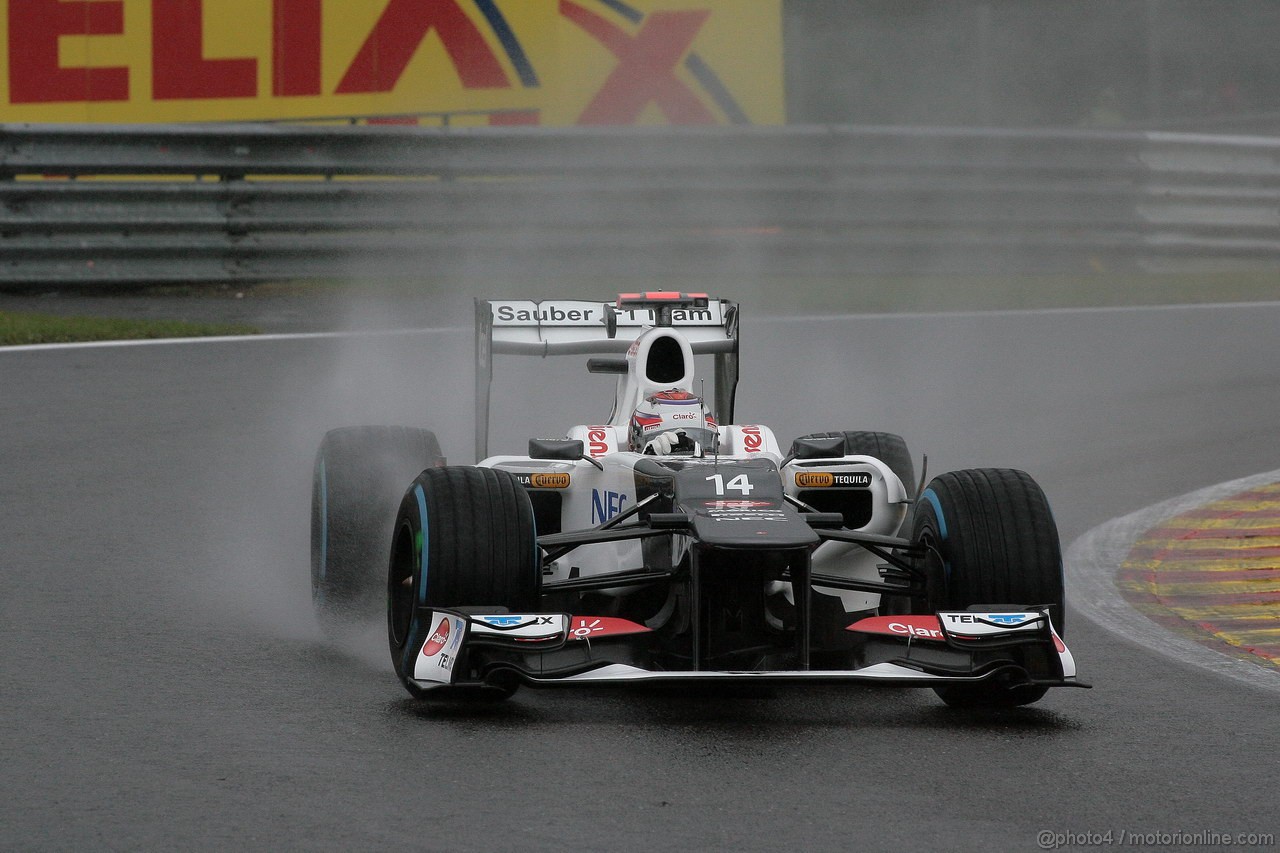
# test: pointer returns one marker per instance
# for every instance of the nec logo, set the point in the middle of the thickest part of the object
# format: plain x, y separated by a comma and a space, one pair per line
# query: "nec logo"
605, 505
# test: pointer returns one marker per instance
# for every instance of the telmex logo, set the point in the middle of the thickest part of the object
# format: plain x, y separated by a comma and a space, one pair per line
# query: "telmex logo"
815, 479
996, 618
549, 481
602, 62
503, 621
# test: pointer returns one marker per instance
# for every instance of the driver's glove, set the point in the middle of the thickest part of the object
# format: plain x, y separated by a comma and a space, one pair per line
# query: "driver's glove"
661, 444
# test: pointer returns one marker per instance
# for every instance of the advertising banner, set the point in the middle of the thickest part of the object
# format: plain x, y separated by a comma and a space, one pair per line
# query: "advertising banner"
430, 62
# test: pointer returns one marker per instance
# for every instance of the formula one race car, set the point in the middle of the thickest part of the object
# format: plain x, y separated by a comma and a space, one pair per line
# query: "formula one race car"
666, 546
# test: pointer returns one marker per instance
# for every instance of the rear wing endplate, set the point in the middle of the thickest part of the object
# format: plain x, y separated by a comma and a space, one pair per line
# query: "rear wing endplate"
579, 327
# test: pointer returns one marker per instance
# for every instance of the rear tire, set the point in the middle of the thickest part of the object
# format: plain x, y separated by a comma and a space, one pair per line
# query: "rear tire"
464, 538
889, 448
360, 474
991, 539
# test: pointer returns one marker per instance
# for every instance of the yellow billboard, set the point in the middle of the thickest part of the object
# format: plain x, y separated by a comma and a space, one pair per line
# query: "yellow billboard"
548, 62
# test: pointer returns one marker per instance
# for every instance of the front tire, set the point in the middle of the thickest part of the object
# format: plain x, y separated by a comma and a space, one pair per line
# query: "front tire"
990, 539
464, 538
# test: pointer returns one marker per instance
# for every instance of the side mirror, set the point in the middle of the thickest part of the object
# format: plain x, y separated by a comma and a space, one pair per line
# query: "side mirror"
556, 448
818, 448
607, 365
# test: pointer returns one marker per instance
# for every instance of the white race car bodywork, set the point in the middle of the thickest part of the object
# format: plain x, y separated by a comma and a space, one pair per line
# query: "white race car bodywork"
595, 489
591, 496
718, 557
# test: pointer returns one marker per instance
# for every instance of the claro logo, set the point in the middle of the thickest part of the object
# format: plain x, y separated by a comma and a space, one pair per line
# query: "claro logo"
752, 440
915, 630
597, 441
438, 639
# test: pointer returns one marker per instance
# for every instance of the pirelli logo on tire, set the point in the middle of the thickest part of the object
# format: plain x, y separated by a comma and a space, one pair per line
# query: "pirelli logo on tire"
826, 479
544, 480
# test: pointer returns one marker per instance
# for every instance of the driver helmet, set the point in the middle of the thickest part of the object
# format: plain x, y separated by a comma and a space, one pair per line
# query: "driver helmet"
688, 428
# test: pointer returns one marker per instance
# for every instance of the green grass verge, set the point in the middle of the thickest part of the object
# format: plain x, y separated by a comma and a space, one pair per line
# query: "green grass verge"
18, 329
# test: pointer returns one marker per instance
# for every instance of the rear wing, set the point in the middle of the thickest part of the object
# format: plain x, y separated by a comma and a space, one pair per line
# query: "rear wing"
577, 327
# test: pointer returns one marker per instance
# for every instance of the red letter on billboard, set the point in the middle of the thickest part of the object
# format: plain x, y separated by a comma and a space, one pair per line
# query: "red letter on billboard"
178, 66
396, 36
645, 65
295, 37
34, 74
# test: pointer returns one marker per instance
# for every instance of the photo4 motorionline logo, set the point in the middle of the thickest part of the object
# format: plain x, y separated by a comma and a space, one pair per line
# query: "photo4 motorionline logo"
1048, 839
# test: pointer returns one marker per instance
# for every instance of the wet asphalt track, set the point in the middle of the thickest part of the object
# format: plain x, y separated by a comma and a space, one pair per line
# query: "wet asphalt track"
164, 686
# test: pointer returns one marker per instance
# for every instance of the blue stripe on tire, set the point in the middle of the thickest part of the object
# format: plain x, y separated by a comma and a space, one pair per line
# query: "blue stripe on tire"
422, 555
932, 498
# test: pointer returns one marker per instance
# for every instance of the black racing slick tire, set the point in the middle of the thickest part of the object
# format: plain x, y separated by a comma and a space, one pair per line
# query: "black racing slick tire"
464, 538
889, 448
359, 477
989, 538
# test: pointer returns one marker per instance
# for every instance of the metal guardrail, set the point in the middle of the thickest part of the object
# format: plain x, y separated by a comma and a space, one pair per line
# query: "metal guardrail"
106, 204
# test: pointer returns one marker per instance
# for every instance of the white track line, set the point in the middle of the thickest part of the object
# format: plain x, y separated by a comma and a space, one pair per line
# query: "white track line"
1014, 312
1091, 565
225, 339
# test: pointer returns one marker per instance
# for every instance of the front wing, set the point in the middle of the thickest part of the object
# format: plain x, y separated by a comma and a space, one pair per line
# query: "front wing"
556, 649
